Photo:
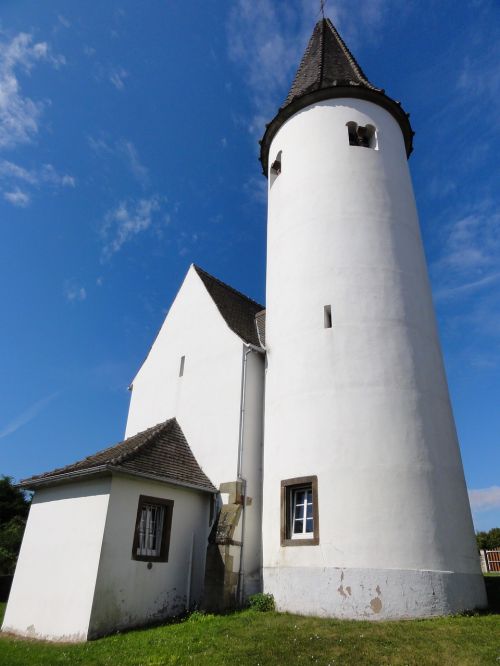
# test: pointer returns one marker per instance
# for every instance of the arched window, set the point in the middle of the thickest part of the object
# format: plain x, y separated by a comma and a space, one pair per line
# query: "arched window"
359, 135
275, 168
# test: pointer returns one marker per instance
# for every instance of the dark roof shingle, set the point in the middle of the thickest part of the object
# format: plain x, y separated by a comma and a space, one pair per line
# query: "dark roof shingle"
328, 70
238, 310
161, 452
260, 320
327, 62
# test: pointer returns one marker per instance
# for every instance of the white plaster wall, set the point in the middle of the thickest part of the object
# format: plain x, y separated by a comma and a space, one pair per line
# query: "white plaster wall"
363, 405
55, 577
127, 592
252, 471
206, 399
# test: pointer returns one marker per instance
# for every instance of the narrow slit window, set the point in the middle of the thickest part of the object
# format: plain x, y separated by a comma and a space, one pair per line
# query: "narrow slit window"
327, 314
181, 367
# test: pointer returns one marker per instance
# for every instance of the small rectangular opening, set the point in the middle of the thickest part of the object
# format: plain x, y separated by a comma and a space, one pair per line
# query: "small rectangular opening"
328, 316
181, 368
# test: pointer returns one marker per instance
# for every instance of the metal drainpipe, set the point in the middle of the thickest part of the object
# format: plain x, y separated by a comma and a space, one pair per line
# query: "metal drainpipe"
245, 352
247, 349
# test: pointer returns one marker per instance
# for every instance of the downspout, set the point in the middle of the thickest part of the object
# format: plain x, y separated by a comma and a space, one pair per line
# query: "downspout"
247, 349
190, 575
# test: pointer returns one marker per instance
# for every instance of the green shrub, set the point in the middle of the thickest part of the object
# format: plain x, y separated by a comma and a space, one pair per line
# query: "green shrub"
262, 602
200, 616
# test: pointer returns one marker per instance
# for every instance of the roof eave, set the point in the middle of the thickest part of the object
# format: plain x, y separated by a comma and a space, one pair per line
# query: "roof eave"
357, 92
56, 479
101, 470
163, 479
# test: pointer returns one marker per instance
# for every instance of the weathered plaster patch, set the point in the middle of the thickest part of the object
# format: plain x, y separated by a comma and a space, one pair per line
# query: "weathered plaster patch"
399, 593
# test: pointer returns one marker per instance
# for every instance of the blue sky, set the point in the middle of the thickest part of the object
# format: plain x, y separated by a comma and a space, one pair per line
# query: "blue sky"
128, 150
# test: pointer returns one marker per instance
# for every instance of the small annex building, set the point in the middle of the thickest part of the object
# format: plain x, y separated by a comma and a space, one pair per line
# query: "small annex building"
128, 535
307, 450
100, 532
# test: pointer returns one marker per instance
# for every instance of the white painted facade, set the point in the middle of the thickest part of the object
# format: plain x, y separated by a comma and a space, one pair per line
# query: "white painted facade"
76, 578
127, 592
363, 405
221, 376
53, 587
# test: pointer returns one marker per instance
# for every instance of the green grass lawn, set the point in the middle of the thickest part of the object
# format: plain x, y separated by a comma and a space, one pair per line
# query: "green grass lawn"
250, 637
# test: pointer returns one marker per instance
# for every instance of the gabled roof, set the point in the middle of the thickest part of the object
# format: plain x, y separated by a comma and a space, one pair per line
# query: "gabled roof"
237, 309
160, 452
329, 70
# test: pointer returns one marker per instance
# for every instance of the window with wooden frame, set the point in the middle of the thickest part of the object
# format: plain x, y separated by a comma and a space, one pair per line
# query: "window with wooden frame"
299, 511
152, 529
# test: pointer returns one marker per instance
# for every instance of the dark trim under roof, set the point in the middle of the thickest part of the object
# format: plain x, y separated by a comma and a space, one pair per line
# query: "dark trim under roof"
328, 70
238, 310
160, 453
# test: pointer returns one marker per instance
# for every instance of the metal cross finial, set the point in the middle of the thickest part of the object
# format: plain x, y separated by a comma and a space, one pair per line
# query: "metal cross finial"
322, 7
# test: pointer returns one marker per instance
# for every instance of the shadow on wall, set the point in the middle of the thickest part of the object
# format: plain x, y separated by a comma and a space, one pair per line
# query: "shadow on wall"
493, 591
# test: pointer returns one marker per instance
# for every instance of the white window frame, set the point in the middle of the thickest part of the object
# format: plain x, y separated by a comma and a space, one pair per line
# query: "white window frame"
305, 507
150, 530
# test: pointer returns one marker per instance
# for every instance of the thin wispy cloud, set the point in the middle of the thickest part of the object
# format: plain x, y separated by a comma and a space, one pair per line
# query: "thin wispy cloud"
74, 292
17, 197
138, 170
27, 415
117, 77
485, 499
99, 145
469, 287
63, 21
126, 221
19, 114
469, 254
126, 152
15, 179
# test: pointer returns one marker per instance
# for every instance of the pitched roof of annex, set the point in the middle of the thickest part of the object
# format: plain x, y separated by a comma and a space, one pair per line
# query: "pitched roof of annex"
329, 70
239, 311
161, 453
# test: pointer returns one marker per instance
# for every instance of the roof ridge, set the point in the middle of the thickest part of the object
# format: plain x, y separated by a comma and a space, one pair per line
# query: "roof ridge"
351, 59
154, 430
322, 51
199, 270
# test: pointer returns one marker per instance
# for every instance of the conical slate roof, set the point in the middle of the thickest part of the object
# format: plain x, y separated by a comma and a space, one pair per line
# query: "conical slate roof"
327, 62
329, 70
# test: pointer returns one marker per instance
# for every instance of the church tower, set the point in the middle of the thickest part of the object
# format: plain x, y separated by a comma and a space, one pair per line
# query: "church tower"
365, 508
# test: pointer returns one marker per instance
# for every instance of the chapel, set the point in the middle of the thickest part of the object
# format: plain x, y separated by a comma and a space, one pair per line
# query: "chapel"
306, 449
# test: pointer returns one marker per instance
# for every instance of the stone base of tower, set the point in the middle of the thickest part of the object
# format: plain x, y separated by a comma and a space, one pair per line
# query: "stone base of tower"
373, 594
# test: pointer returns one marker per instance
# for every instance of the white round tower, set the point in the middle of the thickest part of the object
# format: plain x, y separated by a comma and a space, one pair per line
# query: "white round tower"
365, 508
